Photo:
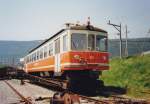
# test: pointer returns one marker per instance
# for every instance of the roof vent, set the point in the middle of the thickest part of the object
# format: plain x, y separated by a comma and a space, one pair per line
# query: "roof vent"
68, 25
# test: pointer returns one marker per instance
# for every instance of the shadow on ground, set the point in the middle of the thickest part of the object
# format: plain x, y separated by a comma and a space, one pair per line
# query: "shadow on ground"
107, 91
104, 91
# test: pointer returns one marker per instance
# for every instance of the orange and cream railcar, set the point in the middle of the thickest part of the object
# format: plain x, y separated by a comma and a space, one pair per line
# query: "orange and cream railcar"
77, 48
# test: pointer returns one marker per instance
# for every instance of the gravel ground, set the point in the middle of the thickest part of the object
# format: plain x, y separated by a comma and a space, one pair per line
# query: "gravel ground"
28, 90
7, 95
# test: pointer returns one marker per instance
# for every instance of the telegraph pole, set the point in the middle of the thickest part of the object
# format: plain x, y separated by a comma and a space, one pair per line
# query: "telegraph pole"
118, 27
126, 49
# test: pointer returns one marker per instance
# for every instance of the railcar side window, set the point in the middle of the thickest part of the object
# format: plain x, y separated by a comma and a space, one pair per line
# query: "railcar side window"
30, 58
51, 49
101, 43
41, 53
65, 43
27, 59
57, 46
45, 51
78, 41
34, 57
37, 55
91, 42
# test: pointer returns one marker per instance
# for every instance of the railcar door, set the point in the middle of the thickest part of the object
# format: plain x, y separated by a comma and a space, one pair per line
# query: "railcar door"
57, 55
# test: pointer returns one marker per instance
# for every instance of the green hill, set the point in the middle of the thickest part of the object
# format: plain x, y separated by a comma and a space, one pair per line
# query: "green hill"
132, 73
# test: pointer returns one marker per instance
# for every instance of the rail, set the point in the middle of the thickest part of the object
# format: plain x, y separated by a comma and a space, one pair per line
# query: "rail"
19, 94
60, 84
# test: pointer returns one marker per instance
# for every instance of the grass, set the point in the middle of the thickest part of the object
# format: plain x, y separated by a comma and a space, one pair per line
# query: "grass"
1, 66
132, 73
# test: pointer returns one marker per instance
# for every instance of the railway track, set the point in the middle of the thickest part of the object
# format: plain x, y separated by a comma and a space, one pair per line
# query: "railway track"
70, 98
66, 97
58, 84
23, 99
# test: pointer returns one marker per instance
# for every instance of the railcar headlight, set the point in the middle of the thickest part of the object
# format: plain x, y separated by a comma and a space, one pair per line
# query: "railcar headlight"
104, 57
77, 57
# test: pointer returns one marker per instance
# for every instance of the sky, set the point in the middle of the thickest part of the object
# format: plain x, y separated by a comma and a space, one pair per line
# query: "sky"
25, 20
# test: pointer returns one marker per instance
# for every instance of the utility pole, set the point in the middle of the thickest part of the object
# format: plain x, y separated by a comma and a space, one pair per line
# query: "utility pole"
126, 49
118, 27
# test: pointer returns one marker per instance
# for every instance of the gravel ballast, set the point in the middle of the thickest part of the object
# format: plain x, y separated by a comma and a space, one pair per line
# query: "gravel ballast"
28, 90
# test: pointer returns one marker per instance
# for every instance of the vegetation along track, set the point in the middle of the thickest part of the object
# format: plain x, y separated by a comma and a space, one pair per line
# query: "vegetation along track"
27, 101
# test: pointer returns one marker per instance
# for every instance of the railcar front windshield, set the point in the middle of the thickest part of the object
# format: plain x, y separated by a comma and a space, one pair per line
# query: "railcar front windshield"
78, 41
101, 43
91, 42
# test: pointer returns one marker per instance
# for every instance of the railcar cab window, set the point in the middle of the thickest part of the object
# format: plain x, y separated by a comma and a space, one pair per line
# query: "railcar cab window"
91, 42
101, 43
78, 41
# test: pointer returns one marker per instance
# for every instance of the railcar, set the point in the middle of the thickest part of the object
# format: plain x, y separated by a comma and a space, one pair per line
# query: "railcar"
77, 52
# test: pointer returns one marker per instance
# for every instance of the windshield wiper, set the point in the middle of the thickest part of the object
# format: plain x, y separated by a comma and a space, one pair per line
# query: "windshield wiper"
74, 44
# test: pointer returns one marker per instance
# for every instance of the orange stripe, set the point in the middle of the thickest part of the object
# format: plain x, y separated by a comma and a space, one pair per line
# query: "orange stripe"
68, 57
40, 70
84, 68
41, 63
90, 57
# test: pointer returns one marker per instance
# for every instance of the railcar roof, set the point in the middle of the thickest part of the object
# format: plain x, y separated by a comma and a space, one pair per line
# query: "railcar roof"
86, 27
76, 27
47, 40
